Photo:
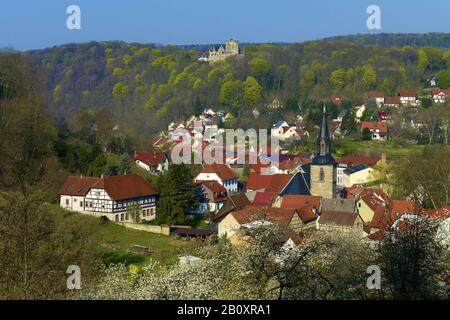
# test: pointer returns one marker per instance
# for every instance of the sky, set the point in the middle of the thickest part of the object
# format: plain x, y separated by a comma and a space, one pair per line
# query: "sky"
32, 24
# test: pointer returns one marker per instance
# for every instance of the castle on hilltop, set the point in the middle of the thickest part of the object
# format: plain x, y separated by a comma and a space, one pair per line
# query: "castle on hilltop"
231, 49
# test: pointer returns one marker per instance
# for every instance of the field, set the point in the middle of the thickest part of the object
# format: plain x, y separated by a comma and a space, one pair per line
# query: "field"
376, 148
117, 240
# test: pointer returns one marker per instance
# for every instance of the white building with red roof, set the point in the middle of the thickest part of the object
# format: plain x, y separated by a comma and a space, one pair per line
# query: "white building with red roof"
439, 95
220, 173
118, 197
153, 161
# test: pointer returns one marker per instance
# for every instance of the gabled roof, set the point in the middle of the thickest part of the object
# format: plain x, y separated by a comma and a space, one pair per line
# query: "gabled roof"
356, 168
375, 94
338, 218
401, 207
392, 101
265, 199
407, 93
381, 126
224, 172
122, 187
213, 185
444, 92
239, 200
296, 202
355, 159
150, 158
274, 215
269, 183
341, 205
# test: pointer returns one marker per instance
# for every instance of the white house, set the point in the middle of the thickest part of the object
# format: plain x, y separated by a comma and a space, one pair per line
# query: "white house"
220, 173
118, 198
408, 97
152, 161
377, 96
439, 95
360, 111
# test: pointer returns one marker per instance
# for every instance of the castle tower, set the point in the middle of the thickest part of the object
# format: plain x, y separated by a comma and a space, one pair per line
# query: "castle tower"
323, 166
232, 46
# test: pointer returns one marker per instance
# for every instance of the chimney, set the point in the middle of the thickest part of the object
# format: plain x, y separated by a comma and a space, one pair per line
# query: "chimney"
102, 176
383, 158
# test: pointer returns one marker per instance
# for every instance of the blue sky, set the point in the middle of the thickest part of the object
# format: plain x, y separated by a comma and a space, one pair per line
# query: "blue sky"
36, 24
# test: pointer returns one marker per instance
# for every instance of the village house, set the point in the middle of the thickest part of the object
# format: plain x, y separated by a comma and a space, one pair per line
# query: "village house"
282, 184
408, 97
379, 130
340, 223
351, 161
439, 95
356, 174
152, 161
211, 195
118, 198
392, 102
252, 216
368, 201
377, 96
220, 173
337, 99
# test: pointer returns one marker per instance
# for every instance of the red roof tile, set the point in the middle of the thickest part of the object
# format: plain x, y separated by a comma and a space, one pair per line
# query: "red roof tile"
381, 126
265, 199
299, 201
224, 172
150, 158
352, 160
118, 187
274, 215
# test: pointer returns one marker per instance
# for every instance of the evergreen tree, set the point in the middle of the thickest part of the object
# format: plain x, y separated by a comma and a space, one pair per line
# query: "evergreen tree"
177, 194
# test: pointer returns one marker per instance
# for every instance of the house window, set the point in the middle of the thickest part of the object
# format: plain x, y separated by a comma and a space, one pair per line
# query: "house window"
117, 217
122, 217
321, 175
81, 204
67, 202
75, 200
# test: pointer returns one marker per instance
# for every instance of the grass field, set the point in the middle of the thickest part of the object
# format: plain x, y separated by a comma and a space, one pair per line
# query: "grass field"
376, 148
117, 239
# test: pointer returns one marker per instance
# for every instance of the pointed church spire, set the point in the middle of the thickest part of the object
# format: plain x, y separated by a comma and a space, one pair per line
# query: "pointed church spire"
323, 155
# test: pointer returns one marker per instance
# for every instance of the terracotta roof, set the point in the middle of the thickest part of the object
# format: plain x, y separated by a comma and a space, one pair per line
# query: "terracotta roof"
213, 185
338, 218
274, 215
337, 99
375, 94
436, 92
353, 192
150, 158
442, 213
374, 198
223, 171
407, 93
355, 159
401, 207
118, 187
239, 200
77, 185
381, 126
265, 199
392, 101
297, 202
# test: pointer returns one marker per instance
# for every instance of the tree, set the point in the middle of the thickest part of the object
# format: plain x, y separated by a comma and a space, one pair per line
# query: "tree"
443, 79
424, 177
411, 259
177, 194
349, 123
369, 77
366, 135
252, 92
231, 93
337, 79
38, 242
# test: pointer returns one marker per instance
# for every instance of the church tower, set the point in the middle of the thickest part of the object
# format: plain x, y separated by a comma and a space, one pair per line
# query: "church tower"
323, 166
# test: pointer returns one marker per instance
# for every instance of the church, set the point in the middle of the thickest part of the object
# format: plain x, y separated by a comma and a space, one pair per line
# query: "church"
323, 166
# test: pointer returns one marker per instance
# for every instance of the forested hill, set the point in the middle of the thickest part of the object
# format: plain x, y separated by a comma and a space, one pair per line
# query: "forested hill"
144, 87
438, 40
